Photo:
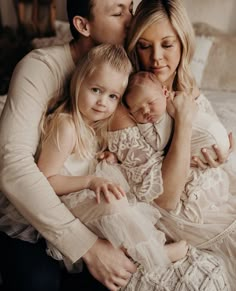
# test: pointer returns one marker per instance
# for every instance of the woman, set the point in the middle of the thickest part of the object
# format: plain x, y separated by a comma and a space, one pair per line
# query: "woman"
161, 40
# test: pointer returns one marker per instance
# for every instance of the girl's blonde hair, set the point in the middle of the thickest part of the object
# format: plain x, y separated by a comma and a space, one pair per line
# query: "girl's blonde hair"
153, 11
113, 55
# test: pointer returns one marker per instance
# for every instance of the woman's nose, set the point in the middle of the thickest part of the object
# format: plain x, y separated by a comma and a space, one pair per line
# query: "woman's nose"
157, 54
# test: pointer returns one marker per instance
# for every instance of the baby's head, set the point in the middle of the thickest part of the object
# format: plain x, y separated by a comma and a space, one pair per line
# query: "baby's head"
145, 98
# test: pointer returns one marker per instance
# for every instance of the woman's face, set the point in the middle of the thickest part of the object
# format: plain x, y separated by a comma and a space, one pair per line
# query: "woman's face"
159, 51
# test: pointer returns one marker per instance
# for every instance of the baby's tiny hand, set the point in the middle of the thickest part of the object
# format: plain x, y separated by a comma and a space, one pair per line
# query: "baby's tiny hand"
109, 157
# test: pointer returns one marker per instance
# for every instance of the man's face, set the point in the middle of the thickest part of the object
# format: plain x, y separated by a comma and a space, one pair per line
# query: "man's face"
111, 19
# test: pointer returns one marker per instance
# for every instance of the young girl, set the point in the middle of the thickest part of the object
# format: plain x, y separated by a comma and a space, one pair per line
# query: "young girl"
195, 204
75, 132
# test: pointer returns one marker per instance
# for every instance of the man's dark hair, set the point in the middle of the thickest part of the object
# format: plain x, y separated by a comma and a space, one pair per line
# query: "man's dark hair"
78, 7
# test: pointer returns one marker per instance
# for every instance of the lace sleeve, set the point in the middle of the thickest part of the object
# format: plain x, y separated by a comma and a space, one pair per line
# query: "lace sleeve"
139, 162
205, 106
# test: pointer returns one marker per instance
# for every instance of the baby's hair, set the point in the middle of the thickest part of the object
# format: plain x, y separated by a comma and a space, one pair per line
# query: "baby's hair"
141, 78
109, 54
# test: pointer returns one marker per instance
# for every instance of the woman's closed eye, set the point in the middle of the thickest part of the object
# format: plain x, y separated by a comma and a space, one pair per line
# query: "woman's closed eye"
143, 45
168, 44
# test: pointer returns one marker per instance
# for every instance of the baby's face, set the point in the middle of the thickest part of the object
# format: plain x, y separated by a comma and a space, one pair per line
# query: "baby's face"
146, 103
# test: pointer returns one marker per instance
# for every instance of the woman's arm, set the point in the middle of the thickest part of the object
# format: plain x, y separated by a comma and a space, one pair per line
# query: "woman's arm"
176, 164
209, 159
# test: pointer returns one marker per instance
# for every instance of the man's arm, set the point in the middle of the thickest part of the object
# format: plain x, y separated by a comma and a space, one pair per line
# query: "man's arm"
32, 85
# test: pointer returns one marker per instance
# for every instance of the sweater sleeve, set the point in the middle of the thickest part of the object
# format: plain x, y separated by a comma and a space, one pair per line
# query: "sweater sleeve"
33, 83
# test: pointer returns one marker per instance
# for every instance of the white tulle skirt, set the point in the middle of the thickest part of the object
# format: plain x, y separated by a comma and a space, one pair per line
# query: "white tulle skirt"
130, 225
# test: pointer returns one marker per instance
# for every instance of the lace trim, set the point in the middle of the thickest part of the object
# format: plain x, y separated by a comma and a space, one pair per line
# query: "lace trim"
140, 163
220, 237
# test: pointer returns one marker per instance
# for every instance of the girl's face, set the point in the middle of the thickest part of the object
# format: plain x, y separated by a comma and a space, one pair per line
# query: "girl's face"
100, 93
159, 51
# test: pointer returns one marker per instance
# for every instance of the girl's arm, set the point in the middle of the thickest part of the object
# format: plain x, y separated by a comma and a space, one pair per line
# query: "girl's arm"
176, 164
52, 159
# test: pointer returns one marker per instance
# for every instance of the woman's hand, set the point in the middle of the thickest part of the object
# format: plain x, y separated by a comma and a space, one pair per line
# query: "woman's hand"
103, 186
181, 106
210, 161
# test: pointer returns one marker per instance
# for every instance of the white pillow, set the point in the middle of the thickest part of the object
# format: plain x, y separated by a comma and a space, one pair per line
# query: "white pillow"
203, 46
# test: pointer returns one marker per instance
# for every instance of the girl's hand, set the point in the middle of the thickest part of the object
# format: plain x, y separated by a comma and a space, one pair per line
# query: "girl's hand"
100, 185
209, 160
109, 157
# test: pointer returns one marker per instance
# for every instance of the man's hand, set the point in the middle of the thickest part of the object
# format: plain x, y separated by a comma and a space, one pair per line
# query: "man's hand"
109, 265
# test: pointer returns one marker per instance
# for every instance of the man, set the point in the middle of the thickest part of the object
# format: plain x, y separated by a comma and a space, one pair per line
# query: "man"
40, 76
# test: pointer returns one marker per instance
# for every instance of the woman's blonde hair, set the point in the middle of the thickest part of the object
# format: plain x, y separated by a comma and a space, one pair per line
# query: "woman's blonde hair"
113, 55
153, 11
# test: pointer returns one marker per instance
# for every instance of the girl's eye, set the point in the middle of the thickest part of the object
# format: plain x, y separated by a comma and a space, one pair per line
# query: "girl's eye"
96, 90
113, 96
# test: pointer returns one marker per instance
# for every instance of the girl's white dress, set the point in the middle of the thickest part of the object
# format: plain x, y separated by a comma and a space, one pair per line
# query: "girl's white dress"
206, 213
130, 225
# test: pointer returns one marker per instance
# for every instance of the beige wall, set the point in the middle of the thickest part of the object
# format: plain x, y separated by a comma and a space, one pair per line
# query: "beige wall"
219, 13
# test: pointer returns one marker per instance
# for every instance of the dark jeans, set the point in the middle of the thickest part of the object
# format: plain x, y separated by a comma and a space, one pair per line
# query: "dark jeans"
26, 267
